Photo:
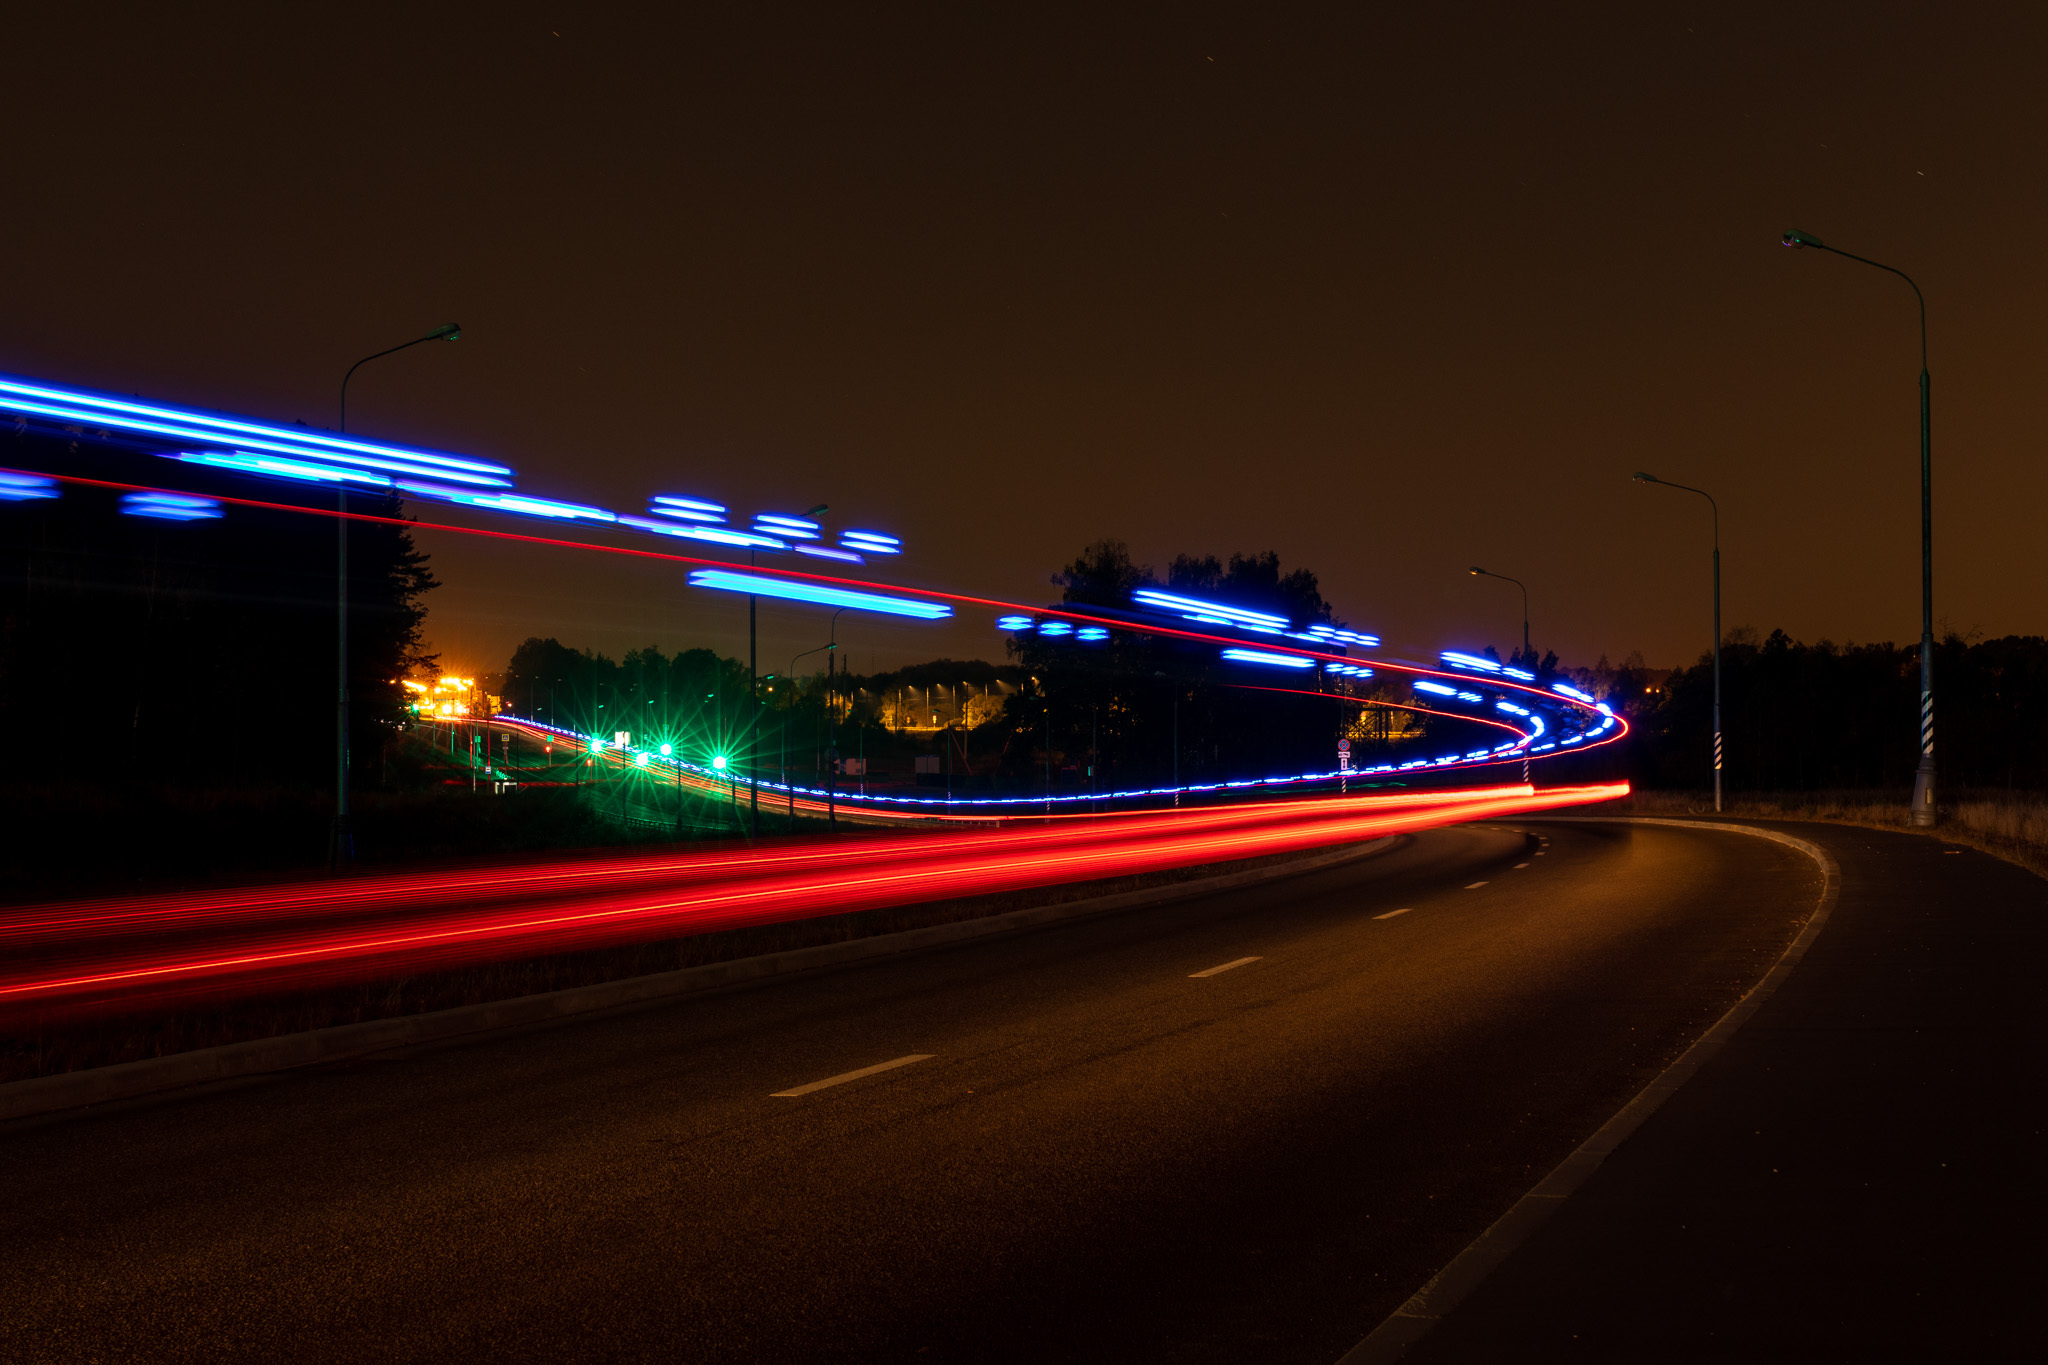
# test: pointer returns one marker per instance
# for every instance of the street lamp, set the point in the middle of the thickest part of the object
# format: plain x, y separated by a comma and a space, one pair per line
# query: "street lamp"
824, 649
1478, 572
1922, 810
831, 732
754, 694
341, 849
1652, 478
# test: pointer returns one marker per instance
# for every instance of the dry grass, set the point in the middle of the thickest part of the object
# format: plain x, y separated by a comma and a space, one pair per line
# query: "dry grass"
2012, 826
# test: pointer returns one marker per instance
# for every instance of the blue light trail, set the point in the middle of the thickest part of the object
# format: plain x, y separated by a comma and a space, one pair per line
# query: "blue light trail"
1260, 656
170, 507
759, 585
25, 487
115, 414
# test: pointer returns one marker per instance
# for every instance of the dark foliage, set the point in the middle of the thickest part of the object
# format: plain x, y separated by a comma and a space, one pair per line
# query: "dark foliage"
1800, 717
196, 653
1145, 710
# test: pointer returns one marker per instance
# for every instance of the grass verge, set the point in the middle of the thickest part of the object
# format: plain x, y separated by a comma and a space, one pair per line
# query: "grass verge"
2007, 825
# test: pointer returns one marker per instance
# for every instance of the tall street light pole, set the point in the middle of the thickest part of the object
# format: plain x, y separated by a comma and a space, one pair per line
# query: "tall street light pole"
754, 694
831, 733
341, 844
1652, 478
1478, 572
1922, 811
1528, 654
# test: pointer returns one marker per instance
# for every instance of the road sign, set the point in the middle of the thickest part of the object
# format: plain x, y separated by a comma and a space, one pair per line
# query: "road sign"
1343, 746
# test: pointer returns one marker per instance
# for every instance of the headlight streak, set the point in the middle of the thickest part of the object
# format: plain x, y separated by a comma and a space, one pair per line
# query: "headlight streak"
689, 509
113, 955
169, 507
278, 467
1530, 692
77, 407
826, 552
1260, 656
115, 413
710, 535
761, 586
1209, 611
519, 503
25, 487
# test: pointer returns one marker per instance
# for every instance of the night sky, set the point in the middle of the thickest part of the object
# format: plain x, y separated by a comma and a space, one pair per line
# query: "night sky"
1391, 290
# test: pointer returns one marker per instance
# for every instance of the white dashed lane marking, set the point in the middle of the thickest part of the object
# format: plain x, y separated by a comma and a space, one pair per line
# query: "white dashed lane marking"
1224, 968
843, 1077
1391, 913
1475, 886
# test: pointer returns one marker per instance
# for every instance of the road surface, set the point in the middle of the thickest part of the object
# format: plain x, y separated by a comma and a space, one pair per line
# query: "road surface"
1241, 1128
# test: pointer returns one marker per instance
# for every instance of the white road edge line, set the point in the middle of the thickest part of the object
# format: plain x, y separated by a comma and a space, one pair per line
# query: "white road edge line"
1224, 968
843, 1077
1449, 1287
1475, 886
1391, 913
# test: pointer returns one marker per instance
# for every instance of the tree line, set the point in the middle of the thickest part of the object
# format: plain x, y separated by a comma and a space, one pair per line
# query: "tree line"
1806, 717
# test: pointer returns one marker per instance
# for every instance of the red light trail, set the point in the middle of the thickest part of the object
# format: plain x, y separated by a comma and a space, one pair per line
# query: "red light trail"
107, 955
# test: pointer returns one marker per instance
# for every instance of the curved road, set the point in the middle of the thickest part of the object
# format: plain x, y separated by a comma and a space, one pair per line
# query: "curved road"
1104, 1153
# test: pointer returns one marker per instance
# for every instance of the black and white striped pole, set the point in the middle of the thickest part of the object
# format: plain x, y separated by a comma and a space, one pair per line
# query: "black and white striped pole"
1922, 811
1652, 478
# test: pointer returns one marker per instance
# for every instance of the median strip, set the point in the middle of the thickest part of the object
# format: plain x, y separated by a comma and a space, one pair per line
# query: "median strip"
1224, 968
843, 1077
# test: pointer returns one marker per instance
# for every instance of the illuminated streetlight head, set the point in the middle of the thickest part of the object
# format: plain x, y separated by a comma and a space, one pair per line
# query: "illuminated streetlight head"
1476, 571
667, 749
449, 332
1641, 477
718, 762
1797, 239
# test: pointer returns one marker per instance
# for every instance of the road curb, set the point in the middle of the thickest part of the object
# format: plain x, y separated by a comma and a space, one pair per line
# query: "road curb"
260, 1056
1450, 1286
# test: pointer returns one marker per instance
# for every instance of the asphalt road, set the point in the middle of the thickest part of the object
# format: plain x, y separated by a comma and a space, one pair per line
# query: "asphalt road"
1101, 1155
1856, 1177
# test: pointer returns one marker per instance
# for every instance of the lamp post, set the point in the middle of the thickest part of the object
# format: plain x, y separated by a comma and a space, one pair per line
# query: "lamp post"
1922, 810
754, 693
341, 849
827, 650
831, 733
1478, 572
1652, 478
1528, 654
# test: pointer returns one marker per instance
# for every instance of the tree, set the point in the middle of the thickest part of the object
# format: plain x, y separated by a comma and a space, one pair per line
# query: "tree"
1103, 576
